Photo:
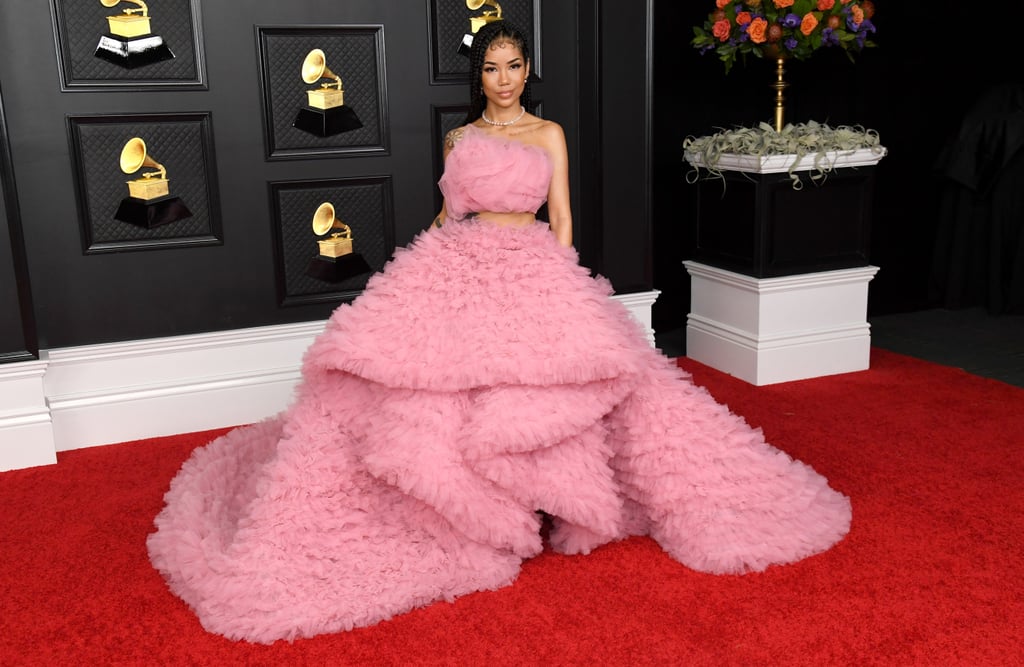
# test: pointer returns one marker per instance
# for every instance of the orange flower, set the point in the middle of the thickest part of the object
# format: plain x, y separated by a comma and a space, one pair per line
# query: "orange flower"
808, 24
742, 18
722, 3
825, 5
757, 29
857, 14
779, 4
721, 30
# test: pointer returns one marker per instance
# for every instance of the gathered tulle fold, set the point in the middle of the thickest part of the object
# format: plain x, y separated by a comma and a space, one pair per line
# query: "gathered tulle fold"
481, 377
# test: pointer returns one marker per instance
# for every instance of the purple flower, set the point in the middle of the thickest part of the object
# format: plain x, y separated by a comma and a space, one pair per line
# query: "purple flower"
790, 21
829, 37
790, 43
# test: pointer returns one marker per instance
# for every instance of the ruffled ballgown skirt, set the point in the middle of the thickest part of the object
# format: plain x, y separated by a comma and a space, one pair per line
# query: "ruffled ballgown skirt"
482, 376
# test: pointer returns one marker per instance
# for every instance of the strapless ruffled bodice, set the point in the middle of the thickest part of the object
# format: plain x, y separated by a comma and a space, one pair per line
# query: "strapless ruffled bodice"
488, 173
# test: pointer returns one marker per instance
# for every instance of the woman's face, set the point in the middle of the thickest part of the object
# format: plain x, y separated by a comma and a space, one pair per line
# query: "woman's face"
504, 73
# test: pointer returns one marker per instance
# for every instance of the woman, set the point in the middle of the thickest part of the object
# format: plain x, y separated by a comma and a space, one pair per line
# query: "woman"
481, 381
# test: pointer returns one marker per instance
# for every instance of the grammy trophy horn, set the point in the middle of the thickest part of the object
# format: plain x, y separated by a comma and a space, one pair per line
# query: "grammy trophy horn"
143, 9
323, 219
477, 4
134, 157
314, 68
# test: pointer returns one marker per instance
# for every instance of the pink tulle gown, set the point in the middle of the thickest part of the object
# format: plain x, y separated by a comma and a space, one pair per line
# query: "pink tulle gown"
482, 376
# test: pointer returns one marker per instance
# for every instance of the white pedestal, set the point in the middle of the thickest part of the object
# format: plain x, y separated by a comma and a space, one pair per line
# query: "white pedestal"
770, 330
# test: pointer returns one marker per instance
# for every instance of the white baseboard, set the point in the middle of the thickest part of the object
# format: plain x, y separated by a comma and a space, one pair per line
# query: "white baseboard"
118, 392
771, 330
26, 429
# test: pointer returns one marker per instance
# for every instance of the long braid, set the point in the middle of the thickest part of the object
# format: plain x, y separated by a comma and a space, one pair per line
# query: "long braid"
485, 36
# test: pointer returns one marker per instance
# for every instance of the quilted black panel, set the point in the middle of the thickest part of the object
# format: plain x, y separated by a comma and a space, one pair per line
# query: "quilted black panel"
180, 142
80, 24
364, 204
354, 53
450, 20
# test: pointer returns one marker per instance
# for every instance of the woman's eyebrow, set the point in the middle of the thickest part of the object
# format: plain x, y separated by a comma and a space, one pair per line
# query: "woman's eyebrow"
492, 62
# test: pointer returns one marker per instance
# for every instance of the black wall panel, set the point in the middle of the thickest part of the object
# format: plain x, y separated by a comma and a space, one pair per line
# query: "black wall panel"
231, 277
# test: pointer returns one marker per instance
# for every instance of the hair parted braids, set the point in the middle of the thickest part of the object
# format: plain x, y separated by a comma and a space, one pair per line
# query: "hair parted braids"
482, 40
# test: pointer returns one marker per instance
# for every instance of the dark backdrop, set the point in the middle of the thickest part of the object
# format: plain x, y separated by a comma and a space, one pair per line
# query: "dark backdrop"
929, 68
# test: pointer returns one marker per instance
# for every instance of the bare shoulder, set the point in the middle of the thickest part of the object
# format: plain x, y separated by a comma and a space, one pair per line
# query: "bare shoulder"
551, 135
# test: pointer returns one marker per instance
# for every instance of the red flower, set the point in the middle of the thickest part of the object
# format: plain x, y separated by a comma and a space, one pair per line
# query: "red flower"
721, 30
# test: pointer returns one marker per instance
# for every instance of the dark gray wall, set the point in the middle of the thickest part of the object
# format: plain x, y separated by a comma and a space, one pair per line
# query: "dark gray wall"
17, 323
232, 277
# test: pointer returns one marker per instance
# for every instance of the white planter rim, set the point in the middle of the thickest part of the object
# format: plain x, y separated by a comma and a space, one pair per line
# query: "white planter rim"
771, 164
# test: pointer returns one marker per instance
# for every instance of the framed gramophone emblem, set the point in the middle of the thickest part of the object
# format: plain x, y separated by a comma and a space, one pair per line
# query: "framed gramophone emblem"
130, 41
131, 44
454, 22
149, 202
324, 90
144, 181
325, 112
336, 259
330, 236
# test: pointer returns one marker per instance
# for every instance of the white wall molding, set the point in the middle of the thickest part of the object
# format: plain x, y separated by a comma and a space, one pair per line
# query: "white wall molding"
26, 432
117, 392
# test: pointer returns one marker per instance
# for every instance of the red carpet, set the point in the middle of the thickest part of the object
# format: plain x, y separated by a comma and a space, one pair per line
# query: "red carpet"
932, 458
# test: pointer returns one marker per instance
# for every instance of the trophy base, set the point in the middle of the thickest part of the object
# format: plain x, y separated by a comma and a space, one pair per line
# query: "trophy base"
325, 122
133, 52
152, 213
467, 45
334, 270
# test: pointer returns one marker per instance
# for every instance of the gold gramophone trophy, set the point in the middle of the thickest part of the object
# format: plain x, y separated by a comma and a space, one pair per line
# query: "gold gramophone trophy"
336, 261
325, 113
149, 202
477, 22
129, 41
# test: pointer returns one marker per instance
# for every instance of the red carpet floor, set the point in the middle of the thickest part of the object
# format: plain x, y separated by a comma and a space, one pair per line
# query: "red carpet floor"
932, 458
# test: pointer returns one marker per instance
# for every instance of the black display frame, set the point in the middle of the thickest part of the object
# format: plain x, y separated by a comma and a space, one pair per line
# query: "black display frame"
195, 126
67, 30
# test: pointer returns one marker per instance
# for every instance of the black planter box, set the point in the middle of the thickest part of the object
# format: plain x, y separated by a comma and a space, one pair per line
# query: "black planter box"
757, 224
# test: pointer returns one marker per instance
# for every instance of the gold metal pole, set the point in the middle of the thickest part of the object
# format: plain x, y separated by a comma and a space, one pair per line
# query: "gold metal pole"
780, 100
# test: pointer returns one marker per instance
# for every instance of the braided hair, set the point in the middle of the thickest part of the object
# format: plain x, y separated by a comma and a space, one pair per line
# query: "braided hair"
495, 31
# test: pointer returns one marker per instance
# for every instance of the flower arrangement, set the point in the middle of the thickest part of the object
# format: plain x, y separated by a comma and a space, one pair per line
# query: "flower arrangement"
784, 28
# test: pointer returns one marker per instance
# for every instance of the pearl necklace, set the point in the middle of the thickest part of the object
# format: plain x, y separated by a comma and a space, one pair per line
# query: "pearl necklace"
504, 123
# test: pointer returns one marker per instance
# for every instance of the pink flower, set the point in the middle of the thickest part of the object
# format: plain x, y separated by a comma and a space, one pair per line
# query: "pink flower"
743, 18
